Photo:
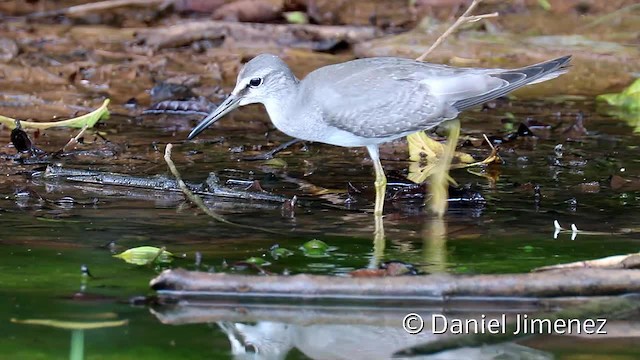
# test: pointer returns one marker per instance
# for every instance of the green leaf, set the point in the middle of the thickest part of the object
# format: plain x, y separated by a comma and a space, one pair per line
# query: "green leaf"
628, 99
316, 248
627, 104
296, 17
79, 122
275, 163
279, 252
528, 248
544, 4
145, 255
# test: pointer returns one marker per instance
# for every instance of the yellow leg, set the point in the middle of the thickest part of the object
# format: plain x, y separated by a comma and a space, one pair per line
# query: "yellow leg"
378, 242
440, 177
381, 179
434, 247
381, 190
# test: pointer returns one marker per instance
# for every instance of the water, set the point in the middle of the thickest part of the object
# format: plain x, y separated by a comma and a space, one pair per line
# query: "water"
52, 228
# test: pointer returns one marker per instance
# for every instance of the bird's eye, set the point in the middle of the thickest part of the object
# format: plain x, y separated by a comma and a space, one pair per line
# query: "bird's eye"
255, 82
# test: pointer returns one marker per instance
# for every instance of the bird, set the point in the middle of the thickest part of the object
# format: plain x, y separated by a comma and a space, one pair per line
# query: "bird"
369, 101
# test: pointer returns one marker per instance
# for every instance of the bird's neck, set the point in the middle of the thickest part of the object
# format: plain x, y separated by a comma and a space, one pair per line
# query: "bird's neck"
279, 104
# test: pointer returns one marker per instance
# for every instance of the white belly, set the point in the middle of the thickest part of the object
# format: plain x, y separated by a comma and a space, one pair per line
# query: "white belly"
308, 125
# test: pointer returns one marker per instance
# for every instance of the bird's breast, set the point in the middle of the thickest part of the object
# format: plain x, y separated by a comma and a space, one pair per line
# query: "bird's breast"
302, 122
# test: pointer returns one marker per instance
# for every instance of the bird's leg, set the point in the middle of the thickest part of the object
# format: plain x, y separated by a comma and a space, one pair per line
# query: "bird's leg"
378, 242
381, 190
440, 177
381, 179
434, 245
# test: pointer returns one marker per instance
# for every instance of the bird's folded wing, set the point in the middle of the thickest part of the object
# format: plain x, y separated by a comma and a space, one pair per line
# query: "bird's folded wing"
388, 101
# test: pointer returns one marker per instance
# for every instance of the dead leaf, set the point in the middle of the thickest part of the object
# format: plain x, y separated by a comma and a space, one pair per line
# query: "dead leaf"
589, 187
425, 153
368, 273
618, 183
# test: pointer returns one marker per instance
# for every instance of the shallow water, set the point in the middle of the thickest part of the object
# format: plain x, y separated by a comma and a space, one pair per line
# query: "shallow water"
51, 228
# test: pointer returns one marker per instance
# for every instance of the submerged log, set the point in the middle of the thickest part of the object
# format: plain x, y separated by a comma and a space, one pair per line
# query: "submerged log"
570, 282
163, 183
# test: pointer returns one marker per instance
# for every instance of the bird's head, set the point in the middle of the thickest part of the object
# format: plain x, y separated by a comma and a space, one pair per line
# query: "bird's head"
261, 79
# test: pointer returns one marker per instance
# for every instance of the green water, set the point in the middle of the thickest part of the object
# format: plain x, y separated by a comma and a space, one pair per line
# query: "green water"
45, 241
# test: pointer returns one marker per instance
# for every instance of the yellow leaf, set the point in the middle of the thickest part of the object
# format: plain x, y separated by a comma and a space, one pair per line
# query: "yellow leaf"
428, 153
144, 255
423, 148
79, 122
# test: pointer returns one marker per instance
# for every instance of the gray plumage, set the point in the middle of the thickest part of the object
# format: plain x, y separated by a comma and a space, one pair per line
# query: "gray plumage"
369, 101
366, 102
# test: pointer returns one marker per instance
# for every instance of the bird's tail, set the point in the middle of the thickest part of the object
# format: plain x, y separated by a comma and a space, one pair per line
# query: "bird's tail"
517, 78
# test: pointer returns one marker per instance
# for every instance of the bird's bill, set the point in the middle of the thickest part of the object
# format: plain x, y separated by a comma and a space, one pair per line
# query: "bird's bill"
231, 103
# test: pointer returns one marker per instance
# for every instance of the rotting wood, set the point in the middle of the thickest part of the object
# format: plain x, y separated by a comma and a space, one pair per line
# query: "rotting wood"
629, 261
84, 9
314, 37
570, 282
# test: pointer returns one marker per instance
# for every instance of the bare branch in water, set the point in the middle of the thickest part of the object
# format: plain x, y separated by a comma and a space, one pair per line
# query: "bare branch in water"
569, 282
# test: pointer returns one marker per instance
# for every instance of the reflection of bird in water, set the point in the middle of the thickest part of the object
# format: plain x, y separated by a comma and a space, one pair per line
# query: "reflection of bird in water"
271, 341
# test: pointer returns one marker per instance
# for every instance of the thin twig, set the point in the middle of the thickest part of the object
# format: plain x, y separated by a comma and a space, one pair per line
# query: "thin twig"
188, 193
464, 18
197, 200
489, 142
74, 140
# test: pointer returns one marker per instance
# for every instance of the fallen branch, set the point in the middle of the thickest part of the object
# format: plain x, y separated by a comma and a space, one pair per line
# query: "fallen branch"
154, 183
574, 282
629, 261
315, 37
84, 9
